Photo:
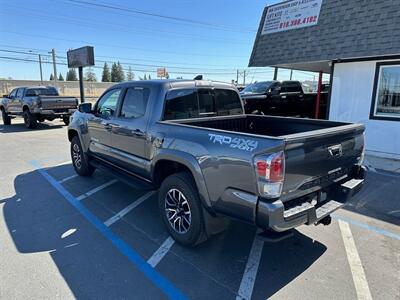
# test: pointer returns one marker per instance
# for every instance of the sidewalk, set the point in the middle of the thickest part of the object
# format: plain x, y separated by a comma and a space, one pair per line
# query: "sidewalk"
380, 163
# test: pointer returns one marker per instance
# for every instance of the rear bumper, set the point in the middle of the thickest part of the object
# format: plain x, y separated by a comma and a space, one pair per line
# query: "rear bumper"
55, 112
274, 215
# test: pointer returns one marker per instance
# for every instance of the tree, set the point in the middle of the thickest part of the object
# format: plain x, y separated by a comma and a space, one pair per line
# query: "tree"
130, 75
51, 77
167, 75
117, 73
90, 75
149, 77
120, 72
60, 77
71, 75
106, 77
145, 77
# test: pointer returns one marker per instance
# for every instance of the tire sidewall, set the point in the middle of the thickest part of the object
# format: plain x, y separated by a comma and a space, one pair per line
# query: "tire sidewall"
85, 169
183, 183
29, 119
6, 118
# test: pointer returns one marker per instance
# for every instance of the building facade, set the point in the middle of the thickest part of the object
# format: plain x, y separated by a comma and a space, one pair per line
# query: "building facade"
358, 43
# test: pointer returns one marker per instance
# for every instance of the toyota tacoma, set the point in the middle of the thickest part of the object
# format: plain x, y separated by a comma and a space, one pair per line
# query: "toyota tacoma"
191, 140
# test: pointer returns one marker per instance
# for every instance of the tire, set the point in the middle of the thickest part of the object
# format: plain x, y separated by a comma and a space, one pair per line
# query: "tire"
66, 120
80, 159
30, 120
187, 227
6, 117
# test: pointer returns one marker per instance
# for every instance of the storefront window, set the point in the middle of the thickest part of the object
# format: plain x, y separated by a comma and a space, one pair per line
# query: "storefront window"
386, 101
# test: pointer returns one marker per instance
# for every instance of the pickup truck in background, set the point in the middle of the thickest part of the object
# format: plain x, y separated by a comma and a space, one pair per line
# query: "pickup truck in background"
191, 140
37, 104
282, 98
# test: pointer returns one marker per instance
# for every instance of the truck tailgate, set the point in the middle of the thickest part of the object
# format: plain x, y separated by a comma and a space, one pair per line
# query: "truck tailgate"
317, 158
58, 102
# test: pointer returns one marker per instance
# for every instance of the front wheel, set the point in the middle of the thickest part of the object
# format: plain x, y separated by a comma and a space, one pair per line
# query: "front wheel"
30, 119
6, 117
80, 160
181, 210
66, 120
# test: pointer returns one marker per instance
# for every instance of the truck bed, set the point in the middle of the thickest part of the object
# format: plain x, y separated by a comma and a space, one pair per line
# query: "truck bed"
306, 142
265, 125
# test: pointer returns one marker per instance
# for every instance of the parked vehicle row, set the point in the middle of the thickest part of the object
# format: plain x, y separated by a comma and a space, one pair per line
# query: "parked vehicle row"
36, 104
192, 140
282, 98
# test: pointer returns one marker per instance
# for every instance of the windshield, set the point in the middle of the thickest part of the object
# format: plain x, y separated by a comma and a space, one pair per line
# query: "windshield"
258, 87
42, 92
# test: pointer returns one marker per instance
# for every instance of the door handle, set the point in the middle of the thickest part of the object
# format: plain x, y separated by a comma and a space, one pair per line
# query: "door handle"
138, 132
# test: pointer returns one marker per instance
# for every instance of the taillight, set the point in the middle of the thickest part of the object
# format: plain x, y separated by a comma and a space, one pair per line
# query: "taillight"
270, 174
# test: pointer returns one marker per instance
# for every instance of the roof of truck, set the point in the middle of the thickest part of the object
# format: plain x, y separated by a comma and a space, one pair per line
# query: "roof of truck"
175, 83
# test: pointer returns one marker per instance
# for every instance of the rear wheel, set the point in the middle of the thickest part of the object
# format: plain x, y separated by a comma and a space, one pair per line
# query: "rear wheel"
181, 210
30, 119
80, 160
6, 117
66, 120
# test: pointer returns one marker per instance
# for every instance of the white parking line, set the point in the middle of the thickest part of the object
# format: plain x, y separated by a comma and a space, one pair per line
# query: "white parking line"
68, 178
250, 272
127, 209
160, 253
95, 190
357, 270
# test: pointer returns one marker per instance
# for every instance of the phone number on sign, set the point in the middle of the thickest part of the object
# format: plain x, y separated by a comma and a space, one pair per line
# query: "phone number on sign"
298, 22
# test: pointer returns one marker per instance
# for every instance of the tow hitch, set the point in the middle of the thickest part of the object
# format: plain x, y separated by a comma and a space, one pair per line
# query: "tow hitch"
325, 221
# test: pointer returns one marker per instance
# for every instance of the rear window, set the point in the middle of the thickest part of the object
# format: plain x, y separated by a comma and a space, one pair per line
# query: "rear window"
191, 103
42, 92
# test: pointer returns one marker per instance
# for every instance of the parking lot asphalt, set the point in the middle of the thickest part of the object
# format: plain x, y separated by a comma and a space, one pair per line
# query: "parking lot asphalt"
64, 236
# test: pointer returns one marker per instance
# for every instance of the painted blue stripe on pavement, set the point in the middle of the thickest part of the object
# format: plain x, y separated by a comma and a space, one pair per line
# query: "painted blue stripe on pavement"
156, 278
368, 227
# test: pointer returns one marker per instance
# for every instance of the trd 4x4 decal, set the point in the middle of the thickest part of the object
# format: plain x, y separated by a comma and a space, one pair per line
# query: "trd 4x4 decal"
242, 144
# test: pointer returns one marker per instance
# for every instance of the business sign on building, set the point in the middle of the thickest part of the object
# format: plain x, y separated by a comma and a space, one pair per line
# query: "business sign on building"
291, 14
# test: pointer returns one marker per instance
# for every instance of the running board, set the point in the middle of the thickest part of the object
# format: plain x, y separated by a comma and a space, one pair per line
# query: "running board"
122, 175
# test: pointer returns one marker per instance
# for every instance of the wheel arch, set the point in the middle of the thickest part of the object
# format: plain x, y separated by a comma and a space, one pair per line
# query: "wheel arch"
170, 162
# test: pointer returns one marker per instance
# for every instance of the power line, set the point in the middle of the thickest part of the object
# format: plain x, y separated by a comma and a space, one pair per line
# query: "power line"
129, 59
179, 19
122, 62
119, 46
122, 27
100, 67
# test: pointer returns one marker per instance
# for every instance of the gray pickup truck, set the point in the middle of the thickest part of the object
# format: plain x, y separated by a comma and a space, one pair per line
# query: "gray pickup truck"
37, 104
211, 162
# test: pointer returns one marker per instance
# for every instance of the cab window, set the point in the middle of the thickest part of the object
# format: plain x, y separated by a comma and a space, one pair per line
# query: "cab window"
107, 104
13, 93
181, 104
135, 103
19, 93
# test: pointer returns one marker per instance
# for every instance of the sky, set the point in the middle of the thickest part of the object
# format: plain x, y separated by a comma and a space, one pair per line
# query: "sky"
188, 37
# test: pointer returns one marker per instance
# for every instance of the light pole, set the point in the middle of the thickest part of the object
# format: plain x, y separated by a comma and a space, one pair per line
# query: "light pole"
40, 66
53, 54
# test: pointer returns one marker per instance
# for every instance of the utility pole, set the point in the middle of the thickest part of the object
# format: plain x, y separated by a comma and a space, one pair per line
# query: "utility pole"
40, 66
237, 76
276, 73
53, 53
291, 74
244, 77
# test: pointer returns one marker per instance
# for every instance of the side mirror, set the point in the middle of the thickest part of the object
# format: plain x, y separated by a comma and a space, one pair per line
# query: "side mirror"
85, 108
